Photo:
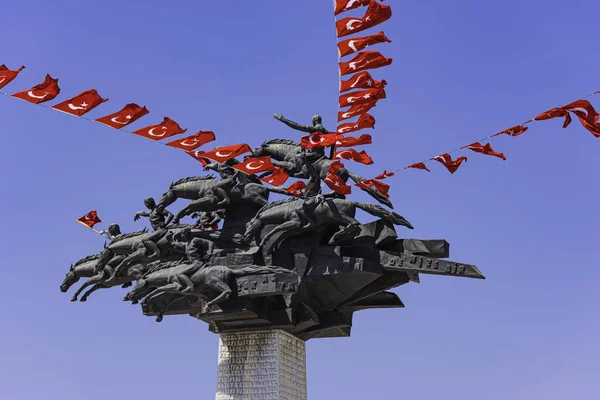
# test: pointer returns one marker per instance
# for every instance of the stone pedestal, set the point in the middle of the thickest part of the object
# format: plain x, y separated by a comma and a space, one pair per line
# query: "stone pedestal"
264, 365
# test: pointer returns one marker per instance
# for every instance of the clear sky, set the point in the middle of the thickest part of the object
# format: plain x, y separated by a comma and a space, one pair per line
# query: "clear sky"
462, 70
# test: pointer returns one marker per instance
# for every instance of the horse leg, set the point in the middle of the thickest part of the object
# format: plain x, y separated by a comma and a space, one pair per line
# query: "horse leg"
93, 280
136, 291
225, 294
202, 204
290, 225
104, 259
92, 290
169, 287
138, 254
159, 316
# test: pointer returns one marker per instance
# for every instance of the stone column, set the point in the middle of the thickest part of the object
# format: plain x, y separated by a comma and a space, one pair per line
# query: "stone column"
263, 365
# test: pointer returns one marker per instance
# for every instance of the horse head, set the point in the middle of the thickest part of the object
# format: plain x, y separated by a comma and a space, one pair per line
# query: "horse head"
252, 228
70, 279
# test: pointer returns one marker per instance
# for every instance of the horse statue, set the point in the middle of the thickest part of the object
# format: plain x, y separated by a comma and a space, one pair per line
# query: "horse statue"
283, 153
287, 215
206, 278
210, 194
86, 268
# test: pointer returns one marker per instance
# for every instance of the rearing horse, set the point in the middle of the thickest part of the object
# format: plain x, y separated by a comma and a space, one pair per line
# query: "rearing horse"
203, 191
283, 153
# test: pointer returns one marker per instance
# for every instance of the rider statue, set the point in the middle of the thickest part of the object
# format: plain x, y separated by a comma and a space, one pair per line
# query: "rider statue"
317, 124
208, 221
113, 231
197, 250
156, 214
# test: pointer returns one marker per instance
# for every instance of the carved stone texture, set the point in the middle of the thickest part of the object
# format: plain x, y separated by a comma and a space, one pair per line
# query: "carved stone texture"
263, 365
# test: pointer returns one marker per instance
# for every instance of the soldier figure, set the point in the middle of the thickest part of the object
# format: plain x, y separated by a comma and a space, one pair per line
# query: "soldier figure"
113, 231
156, 214
197, 250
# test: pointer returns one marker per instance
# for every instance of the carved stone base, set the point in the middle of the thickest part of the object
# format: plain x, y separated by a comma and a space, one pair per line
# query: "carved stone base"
265, 365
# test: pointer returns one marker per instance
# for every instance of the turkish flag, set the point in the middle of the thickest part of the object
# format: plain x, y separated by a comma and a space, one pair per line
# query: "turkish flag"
512, 131
351, 154
318, 139
385, 174
335, 166
352, 141
7, 75
587, 115
365, 121
354, 45
41, 93
451, 165
90, 219
277, 178
80, 104
384, 188
337, 184
484, 149
165, 129
418, 165
356, 110
555, 113
224, 153
297, 188
130, 113
197, 155
253, 165
346, 5
194, 141
375, 15
361, 80
362, 96
364, 60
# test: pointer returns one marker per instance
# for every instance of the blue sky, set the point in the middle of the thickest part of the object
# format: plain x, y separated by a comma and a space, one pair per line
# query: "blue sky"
462, 70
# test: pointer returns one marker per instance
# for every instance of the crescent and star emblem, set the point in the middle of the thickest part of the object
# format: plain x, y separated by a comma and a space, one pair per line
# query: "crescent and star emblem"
3, 79
225, 153
164, 131
83, 106
576, 109
250, 167
350, 25
351, 45
31, 94
115, 120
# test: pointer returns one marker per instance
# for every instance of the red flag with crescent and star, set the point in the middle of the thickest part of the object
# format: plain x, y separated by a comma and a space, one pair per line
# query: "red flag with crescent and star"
365, 121
512, 131
353, 141
297, 188
41, 93
385, 174
277, 178
484, 149
384, 188
351, 154
129, 114
253, 165
224, 153
7, 75
90, 219
80, 104
318, 139
361, 80
362, 96
451, 165
346, 5
364, 60
418, 165
357, 109
337, 184
197, 155
354, 45
375, 15
555, 113
194, 141
165, 129
586, 114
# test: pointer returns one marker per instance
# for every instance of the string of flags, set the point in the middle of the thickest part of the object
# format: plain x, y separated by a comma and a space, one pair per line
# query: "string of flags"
358, 93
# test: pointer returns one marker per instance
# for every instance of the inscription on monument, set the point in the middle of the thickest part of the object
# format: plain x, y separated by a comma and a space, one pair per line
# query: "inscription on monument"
261, 365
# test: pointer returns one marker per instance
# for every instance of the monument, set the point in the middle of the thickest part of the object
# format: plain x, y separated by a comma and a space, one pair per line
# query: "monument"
275, 274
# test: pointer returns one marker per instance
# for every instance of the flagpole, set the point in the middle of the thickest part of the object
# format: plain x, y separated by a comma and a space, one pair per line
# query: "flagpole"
89, 227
